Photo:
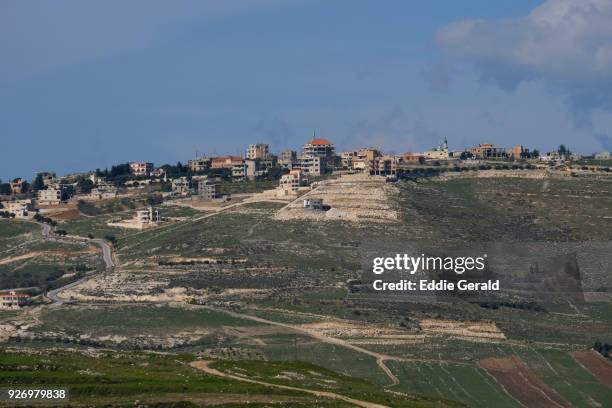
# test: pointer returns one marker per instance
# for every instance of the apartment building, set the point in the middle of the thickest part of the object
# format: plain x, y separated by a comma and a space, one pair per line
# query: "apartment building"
518, 152
293, 181
225, 162
258, 151
312, 165
383, 166
141, 168
21, 208
48, 177
318, 147
199, 164
488, 151
207, 190
103, 191
12, 300
287, 159
181, 186
347, 159
53, 195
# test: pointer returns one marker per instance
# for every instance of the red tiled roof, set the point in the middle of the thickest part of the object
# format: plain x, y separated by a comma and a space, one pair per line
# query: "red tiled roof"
320, 142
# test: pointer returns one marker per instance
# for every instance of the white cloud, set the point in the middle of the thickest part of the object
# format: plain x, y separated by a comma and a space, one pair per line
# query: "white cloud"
566, 44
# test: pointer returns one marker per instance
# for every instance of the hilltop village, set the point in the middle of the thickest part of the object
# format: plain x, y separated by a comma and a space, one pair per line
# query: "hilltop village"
203, 178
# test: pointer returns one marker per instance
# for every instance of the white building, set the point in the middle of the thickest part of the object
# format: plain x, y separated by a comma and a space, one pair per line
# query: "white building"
312, 165
318, 147
602, 156
21, 208
13, 300
51, 196
293, 181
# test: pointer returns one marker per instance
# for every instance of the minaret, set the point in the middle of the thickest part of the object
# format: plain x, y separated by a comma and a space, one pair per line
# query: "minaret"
445, 144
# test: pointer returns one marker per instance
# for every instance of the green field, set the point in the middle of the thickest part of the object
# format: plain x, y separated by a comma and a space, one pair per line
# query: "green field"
466, 383
137, 319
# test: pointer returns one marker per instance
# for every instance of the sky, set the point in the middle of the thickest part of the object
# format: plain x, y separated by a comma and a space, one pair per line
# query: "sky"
86, 85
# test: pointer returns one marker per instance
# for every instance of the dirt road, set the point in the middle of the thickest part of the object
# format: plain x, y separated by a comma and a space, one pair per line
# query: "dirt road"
380, 358
204, 366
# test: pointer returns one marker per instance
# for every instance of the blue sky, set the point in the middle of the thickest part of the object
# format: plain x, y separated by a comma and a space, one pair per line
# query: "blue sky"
90, 84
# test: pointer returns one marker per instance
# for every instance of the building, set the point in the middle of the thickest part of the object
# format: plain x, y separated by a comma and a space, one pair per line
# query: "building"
141, 168
199, 164
518, 152
143, 219
207, 190
602, 156
239, 170
347, 159
18, 186
148, 216
13, 300
293, 181
287, 159
225, 162
181, 186
52, 195
315, 204
318, 147
48, 177
258, 151
383, 166
21, 208
413, 158
311, 165
488, 151
437, 153
103, 191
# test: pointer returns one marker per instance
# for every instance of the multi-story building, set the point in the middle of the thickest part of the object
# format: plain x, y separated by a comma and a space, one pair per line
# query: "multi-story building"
258, 151
18, 186
21, 208
226, 162
517, 152
488, 151
141, 168
318, 147
48, 177
103, 191
312, 165
347, 159
287, 159
148, 216
602, 156
181, 186
207, 190
293, 181
239, 170
199, 164
53, 195
13, 300
384, 166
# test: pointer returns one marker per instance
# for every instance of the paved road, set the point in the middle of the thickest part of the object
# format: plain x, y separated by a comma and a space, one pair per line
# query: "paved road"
204, 366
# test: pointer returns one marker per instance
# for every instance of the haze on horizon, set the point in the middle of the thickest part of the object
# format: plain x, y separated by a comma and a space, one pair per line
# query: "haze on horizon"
85, 85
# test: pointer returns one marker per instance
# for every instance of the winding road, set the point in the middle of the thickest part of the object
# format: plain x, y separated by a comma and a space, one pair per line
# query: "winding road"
205, 366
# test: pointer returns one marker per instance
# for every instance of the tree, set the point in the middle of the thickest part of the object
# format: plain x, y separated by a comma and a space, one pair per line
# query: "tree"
38, 183
5, 188
466, 155
84, 185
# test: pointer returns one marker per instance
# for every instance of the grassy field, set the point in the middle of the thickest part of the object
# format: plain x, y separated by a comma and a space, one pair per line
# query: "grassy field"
122, 378
466, 383
124, 320
560, 371
317, 378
